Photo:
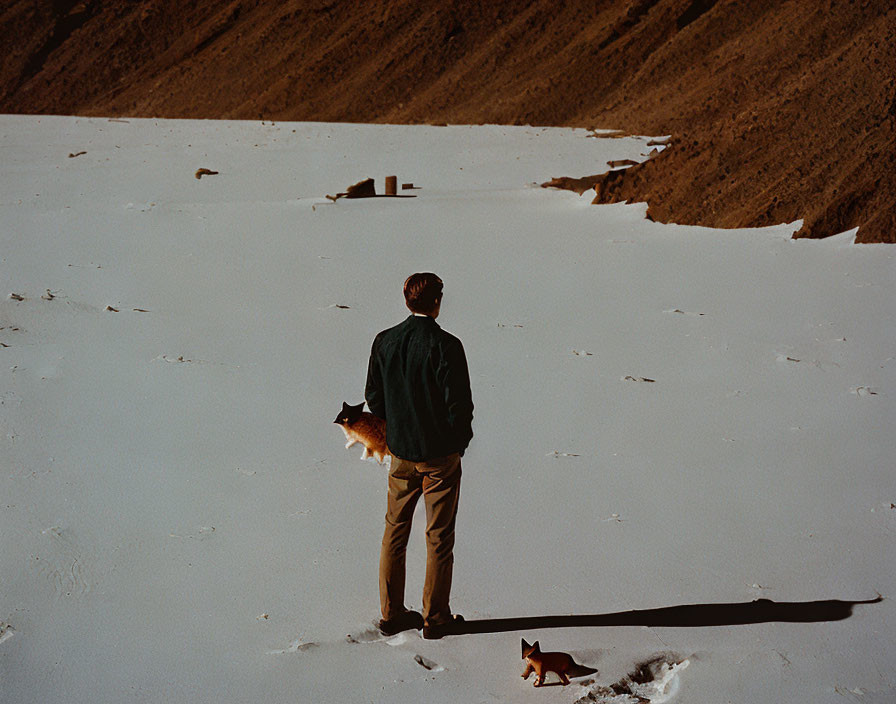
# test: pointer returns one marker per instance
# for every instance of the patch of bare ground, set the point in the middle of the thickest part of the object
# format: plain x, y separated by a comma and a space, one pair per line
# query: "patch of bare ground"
779, 111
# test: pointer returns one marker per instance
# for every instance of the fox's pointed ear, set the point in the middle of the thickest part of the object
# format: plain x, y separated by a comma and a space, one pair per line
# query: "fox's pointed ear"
535, 647
351, 413
525, 646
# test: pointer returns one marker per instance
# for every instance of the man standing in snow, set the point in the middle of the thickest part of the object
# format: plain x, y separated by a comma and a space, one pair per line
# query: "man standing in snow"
418, 381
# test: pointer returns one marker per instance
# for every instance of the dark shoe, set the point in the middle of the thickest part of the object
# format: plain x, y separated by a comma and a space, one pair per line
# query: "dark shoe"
409, 620
440, 630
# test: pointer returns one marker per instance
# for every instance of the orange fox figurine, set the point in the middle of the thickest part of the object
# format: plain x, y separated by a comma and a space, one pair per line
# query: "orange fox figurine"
560, 663
365, 428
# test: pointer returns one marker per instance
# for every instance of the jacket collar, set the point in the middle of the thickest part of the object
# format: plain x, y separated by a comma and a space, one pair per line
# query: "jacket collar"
414, 319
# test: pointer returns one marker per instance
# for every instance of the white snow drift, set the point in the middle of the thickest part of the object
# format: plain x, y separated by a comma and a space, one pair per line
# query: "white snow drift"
665, 416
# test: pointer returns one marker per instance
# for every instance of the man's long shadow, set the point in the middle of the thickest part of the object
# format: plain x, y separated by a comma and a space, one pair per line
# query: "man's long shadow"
688, 616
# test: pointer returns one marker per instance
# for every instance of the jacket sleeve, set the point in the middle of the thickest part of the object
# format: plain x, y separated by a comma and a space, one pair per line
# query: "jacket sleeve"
373, 391
454, 380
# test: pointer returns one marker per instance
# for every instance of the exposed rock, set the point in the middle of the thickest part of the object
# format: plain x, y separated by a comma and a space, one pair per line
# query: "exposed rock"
362, 189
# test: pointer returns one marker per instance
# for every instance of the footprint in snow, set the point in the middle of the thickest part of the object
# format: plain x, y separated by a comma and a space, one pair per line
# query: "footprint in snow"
143, 208
683, 312
173, 360
820, 364
373, 635
651, 682
6, 631
64, 563
369, 635
297, 646
180, 359
786, 358
863, 391
200, 533
428, 664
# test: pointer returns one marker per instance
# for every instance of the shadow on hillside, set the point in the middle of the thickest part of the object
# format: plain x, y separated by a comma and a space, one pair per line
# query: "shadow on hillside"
690, 616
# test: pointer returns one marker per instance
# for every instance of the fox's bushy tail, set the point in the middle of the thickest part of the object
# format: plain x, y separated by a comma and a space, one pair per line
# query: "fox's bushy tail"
581, 670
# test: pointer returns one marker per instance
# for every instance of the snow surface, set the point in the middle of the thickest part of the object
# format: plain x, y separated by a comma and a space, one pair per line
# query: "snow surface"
665, 416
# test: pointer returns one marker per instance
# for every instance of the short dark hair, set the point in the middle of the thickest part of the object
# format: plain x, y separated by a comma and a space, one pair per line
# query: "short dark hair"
422, 292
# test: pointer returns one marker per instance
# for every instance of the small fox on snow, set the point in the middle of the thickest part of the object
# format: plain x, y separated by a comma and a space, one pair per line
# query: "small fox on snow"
365, 428
560, 663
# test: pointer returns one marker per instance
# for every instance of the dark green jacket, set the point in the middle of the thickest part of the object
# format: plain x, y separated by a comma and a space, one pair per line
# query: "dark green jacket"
418, 380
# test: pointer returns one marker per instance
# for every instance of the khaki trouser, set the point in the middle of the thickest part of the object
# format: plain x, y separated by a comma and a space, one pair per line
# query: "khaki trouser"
438, 481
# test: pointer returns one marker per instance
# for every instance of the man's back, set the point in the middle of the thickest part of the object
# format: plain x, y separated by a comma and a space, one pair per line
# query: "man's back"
418, 381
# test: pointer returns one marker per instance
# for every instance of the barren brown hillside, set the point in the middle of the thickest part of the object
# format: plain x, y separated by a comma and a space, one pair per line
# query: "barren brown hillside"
778, 110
